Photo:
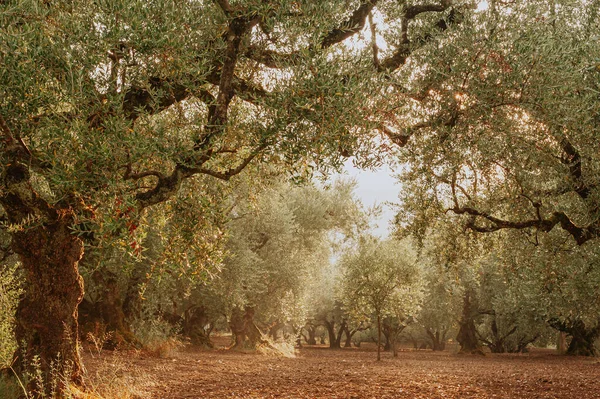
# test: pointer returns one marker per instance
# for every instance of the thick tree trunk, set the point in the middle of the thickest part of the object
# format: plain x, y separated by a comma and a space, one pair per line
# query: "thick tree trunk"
386, 334
47, 313
467, 333
194, 325
438, 340
582, 342
108, 311
582, 336
274, 329
349, 334
311, 339
246, 333
330, 326
392, 327
561, 342
335, 338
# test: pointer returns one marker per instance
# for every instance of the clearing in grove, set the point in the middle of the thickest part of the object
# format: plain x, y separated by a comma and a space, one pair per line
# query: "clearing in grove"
318, 372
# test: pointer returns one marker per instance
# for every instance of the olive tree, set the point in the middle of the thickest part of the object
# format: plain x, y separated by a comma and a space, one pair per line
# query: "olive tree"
110, 107
379, 278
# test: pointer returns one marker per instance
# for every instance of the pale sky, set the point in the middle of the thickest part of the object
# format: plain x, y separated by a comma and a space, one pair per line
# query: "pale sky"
375, 188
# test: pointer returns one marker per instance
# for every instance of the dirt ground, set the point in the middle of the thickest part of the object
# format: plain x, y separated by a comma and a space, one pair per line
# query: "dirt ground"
318, 372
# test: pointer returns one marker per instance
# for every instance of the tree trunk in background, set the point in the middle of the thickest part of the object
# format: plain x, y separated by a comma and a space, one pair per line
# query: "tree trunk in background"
111, 308
438, 341
194, 325
386, 334
378, 337
107, 315
274, 329
467, 334
335, 339
349, 334
582, 342
246, 333
561, 342
46, 318
330, 326
582, 336
312, 334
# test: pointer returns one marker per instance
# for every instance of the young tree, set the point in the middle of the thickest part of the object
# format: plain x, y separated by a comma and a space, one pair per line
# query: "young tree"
377, 277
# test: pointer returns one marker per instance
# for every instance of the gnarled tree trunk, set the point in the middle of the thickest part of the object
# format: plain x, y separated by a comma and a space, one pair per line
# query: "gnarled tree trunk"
467, 333
246, 333
335, 338
392, 327
583, 337
195, 324
311, 338
47, 313
438, 339
107, 312
46, 317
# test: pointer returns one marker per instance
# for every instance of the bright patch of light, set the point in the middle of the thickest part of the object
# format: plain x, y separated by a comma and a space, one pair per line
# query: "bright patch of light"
482, 6
362, 40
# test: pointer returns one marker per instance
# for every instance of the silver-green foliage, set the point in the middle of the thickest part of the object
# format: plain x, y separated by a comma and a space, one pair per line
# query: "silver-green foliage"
381, 278
504, 121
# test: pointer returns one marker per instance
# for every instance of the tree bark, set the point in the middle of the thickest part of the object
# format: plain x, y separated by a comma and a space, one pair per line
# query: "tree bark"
335, 338
348, 334
561, 342
194, 325
108, 311
582, 342
311, 339
47, 313
245, 332
274, 329
582, 336
467, 333
438, 340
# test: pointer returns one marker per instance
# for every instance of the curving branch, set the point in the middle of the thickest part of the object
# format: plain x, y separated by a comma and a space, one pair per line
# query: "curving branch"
232, 171
140, 100
572, 159
129, 175
224, 6
404, 50
580, 234
351, 26
374, 46
356, 23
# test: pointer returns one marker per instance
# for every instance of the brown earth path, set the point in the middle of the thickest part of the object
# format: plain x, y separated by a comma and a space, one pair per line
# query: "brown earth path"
353, 373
